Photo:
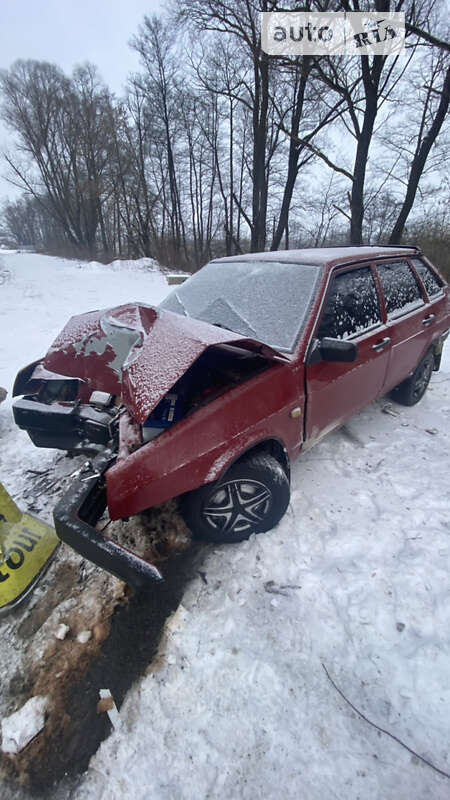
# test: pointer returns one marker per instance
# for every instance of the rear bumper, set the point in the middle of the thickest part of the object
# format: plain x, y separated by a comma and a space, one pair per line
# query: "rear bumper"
75, 517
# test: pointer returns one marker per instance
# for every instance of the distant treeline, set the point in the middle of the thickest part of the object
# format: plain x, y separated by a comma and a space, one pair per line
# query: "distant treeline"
218, 148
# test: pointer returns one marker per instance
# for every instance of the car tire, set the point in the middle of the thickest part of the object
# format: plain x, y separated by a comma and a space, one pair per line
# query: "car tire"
251, 497
413, 388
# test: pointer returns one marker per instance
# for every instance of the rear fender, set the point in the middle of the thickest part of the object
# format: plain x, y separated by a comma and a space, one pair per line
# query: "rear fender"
437, 347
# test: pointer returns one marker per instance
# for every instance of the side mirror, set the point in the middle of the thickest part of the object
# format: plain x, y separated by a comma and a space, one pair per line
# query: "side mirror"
337, 350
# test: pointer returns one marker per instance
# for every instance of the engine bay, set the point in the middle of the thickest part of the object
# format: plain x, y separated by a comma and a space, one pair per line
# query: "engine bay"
70, 414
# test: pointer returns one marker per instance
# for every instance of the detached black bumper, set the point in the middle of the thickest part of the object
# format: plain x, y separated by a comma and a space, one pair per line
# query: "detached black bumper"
67, 427
76, 515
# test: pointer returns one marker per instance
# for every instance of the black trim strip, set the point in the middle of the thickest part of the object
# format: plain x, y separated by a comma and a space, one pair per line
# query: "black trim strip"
76, 515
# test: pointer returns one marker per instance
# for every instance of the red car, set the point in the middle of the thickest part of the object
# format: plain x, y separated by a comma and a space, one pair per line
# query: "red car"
210, 396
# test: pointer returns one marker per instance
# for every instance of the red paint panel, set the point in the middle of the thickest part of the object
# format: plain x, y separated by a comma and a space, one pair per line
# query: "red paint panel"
64, 358
199, 448
412, 336
409, 341
337, 391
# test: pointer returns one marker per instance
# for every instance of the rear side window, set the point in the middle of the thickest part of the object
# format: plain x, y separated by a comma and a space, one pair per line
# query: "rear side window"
401, 289
352, 305
432, 282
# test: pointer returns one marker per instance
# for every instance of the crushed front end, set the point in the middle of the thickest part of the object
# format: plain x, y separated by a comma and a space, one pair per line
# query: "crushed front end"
64, 413
153, 398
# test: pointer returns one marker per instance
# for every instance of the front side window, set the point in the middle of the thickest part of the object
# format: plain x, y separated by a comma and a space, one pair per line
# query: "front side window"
352, 305
400, 287
432, 282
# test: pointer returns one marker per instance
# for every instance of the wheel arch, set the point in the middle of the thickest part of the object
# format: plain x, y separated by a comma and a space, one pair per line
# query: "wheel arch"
433, 348
271, 446
436, 349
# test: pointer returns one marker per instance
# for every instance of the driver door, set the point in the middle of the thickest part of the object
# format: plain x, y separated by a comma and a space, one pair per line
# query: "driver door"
336, 391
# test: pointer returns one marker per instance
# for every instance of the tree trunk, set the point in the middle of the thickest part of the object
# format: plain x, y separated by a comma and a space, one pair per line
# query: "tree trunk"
260, 110
371, 78
419, 161
294, 154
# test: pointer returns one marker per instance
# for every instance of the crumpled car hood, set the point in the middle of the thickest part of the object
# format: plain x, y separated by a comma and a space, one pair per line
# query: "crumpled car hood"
138, 352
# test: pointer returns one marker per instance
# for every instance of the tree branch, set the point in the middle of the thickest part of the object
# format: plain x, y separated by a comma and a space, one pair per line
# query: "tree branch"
317, 152
383, 730
428, 37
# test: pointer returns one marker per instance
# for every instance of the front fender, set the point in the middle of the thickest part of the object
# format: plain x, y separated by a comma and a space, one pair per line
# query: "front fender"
198, 449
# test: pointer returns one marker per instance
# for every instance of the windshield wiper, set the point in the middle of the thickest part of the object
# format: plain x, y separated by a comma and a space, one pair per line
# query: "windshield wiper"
220, 307
225, 327
180, 302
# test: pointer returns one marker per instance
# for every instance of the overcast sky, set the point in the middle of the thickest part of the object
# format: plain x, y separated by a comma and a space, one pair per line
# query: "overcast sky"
69, 32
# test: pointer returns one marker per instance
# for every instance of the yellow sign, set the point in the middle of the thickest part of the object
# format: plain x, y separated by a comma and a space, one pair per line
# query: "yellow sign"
26, 545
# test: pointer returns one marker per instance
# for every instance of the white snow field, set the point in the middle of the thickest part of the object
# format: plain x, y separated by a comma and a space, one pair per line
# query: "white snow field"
355, 578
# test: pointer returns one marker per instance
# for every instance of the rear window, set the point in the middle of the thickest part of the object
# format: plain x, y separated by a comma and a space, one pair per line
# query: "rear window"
430, 280
401, 290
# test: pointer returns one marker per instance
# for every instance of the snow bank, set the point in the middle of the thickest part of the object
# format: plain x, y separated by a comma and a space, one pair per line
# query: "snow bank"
122, 265
44, 291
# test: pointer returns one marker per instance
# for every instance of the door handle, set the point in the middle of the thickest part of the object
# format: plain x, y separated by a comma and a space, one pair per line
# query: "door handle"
428, 320
381, 345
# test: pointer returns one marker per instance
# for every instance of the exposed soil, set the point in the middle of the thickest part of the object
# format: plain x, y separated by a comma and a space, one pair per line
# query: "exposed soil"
125, 632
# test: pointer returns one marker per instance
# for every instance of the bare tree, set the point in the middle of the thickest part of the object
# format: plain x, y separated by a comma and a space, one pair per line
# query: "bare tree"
364, 85
434, 113
154, 44
218, 148
240, 20
64, 133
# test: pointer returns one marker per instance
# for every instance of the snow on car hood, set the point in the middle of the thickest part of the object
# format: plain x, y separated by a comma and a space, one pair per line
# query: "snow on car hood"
138, 352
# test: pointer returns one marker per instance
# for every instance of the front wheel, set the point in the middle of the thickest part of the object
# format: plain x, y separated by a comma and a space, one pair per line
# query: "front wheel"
251, 498
413, 389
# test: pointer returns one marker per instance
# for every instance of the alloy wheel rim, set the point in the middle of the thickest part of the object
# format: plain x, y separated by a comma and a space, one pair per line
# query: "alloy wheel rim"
236, 506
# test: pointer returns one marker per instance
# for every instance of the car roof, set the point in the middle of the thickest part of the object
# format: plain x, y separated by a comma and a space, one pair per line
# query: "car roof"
321, 256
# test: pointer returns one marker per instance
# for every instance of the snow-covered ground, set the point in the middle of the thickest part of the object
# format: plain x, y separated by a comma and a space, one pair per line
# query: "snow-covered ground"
354, 579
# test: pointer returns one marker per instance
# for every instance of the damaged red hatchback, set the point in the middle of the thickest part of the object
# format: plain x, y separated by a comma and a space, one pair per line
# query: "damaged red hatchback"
211, 395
